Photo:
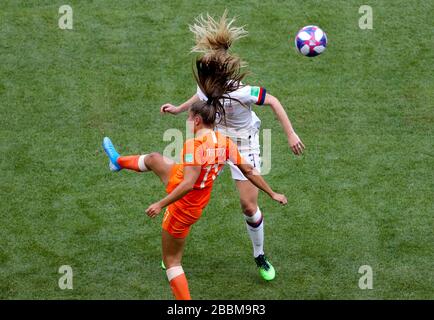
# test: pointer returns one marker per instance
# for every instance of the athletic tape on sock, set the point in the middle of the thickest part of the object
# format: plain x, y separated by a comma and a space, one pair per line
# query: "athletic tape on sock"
174, 272
142, 165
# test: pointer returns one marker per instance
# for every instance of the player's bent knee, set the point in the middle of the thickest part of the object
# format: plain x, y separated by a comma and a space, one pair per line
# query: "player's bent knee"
152, 158
249, 209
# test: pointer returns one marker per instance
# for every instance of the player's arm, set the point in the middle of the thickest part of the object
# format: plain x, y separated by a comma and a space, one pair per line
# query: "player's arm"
191, 174
254, 177
294, 141
170, 108
251, 173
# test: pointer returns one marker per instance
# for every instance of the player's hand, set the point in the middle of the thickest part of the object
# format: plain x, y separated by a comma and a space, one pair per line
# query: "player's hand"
280, 198
296, 144
169, 108
154, 209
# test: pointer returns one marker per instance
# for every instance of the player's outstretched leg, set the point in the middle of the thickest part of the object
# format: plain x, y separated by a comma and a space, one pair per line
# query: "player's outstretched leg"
255, 227
117, 162
154, 161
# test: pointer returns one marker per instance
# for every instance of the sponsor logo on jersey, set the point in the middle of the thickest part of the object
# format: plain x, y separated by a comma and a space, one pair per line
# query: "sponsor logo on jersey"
188, 158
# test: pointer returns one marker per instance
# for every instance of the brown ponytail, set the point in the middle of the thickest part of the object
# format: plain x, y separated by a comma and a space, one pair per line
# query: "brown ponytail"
218, 75
207, 112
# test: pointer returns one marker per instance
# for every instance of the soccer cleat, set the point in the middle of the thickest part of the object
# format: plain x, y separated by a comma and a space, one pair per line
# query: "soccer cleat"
112, 167
112, 154
162, 265
266, 270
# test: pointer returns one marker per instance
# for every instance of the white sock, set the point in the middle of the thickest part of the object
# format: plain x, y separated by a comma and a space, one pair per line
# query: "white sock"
255, 228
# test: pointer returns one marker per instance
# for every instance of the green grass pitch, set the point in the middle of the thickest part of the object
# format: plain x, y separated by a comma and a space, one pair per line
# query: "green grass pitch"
361, 195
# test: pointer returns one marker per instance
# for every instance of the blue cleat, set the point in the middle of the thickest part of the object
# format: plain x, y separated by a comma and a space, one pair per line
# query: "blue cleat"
111, 152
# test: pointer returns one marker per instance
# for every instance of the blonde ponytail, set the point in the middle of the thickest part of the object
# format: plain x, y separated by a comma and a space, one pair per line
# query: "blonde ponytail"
212, 35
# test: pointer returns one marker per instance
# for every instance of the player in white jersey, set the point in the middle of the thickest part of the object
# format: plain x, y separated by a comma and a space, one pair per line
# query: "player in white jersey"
242, 124
214, 38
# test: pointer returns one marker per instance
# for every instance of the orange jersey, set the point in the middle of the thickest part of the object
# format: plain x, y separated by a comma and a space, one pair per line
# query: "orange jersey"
210, 151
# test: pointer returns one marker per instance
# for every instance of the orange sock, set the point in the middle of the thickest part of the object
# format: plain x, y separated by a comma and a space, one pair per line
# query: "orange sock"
136, 163
178, 283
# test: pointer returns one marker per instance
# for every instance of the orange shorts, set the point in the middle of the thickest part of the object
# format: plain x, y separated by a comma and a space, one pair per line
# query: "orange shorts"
177, 222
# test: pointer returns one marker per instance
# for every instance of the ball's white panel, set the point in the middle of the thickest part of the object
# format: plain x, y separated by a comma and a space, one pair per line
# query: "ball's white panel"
305, 49
304, 36
319, 49
318, 34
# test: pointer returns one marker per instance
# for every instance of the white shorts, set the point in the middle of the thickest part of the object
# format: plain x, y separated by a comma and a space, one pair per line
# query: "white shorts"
251, 155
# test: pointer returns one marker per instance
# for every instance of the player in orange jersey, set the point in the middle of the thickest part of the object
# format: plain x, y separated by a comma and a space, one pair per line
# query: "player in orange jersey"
188, 184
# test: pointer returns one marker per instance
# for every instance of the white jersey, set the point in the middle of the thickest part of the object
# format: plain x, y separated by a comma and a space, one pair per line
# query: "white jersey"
241, 122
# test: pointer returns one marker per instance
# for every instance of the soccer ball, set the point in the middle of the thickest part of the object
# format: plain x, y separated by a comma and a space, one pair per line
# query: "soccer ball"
311, 41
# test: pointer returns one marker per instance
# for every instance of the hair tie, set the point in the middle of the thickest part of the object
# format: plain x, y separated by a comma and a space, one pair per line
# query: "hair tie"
209, 101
